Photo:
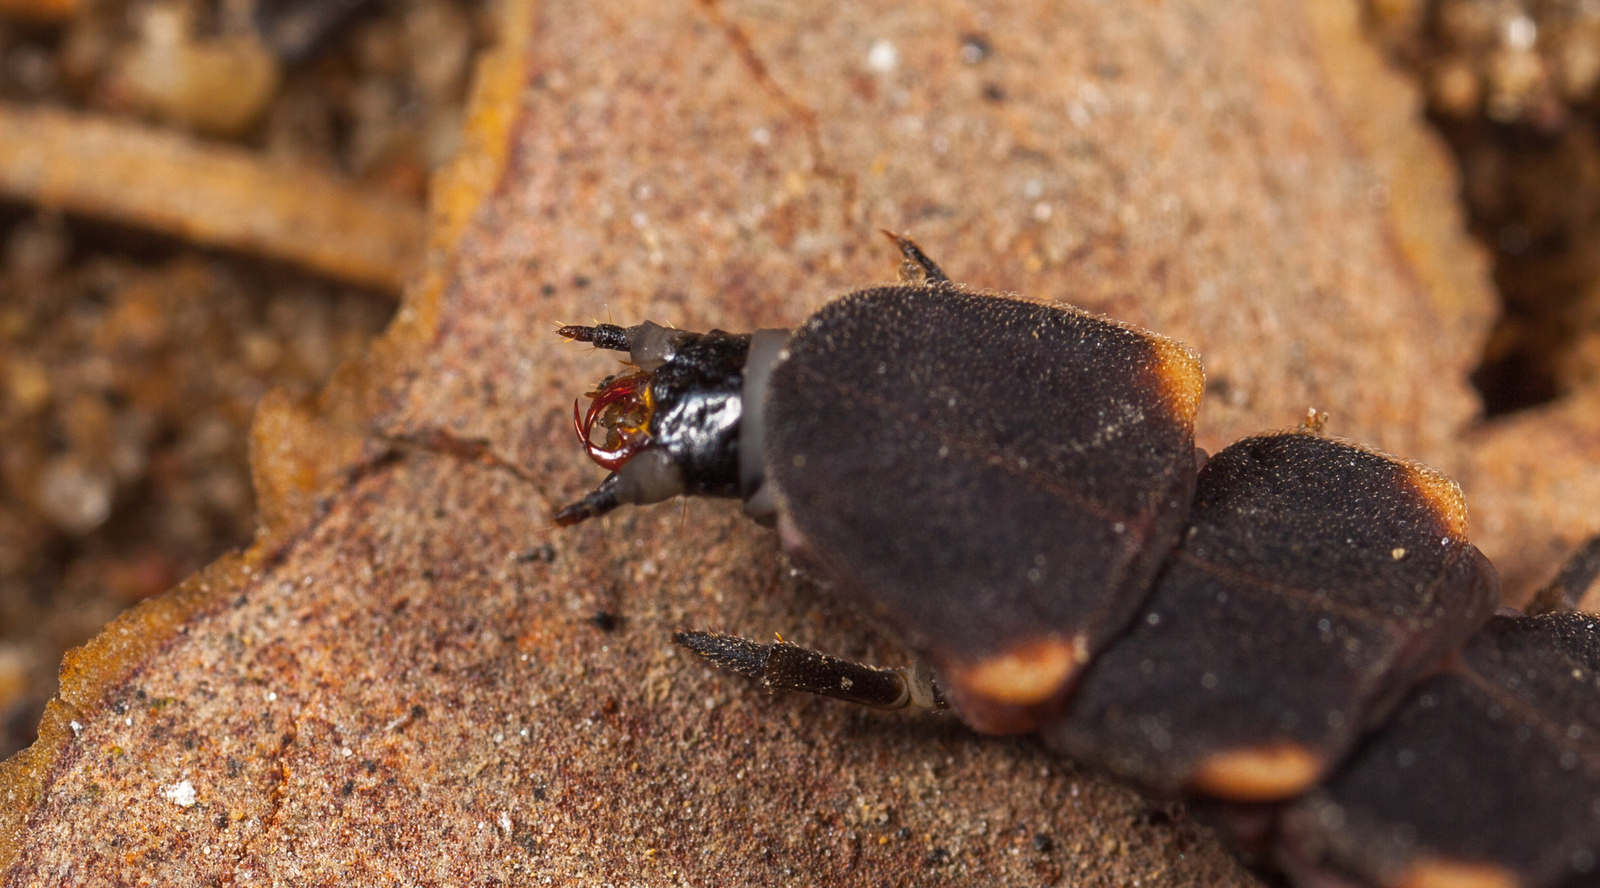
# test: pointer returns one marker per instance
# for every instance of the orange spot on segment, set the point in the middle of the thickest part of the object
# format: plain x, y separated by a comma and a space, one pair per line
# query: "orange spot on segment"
1444, 496
1258, 774
1028, 673
1182, 378
1438, 873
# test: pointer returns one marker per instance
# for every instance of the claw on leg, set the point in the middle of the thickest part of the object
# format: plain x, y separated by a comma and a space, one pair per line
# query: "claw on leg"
783, 666
915, 266
597, 502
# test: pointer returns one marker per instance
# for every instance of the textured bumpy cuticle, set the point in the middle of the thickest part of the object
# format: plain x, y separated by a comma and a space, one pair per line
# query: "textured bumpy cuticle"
1018, 516
1317, 581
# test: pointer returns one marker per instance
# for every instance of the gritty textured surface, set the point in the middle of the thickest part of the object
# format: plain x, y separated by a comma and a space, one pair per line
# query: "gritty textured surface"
404, 681
539, 745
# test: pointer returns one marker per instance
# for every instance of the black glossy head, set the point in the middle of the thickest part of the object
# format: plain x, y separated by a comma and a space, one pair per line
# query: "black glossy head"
690, 417
698, 406
671, 424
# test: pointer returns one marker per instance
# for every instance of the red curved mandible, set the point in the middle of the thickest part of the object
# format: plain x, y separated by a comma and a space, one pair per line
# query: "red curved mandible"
583, 424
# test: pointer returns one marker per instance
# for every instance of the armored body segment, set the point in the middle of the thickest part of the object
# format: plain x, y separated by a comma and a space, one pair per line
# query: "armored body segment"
1489, 774
1317, 581
1000, 480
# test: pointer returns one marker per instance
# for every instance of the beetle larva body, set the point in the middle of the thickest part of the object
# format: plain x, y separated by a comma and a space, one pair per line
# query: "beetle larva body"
1296, 633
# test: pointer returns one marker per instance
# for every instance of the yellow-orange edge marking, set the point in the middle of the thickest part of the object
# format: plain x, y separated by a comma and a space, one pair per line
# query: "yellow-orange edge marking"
1258, 773
1183, 377
1027, 673
1444, 495
1433, 872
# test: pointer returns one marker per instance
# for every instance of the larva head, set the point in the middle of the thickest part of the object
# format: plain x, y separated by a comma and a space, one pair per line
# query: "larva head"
676, 422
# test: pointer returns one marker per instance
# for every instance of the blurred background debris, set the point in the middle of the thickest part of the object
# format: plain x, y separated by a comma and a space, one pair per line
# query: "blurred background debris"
199, 201
1512, 85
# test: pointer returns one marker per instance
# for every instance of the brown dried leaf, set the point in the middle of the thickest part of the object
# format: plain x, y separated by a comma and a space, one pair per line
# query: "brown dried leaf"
401, 681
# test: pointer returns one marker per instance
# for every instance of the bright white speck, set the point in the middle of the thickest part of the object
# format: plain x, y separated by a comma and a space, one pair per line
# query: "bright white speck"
1521, 33
505, 822
76, 728
346, 752
272, 696
128, 721
180, 794
883, 57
